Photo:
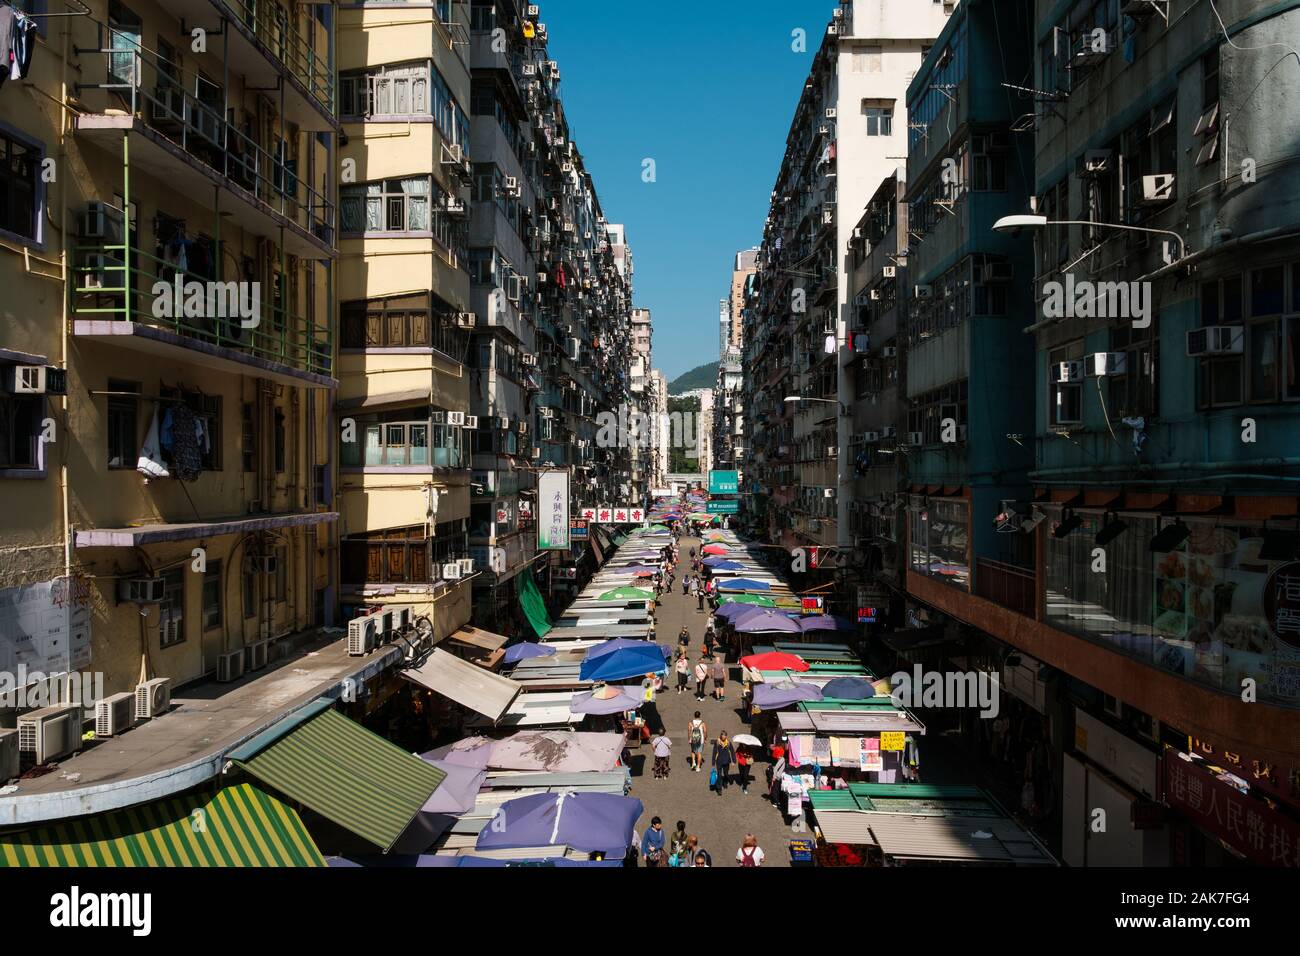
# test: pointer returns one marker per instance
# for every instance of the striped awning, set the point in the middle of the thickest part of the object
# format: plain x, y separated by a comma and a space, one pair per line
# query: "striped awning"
237, 826
345, 773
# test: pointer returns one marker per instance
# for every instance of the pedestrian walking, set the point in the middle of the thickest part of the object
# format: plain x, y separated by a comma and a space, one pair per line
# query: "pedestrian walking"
744, 765
697, 731
652, 844
649, 710
678, 842
663, 749
750, 853
682, 667
686, 584
718, 671
692, 849
724, 755
702, 859
701, 676
710, 642
699, 599
692, 554
684, 637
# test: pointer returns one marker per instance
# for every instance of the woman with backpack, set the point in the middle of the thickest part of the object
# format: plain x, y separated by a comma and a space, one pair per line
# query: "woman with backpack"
697, 731
724, 755
750, 853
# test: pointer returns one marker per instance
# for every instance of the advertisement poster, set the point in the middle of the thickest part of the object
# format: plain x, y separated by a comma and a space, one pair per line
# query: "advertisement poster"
42, 630
724, 482
553, 511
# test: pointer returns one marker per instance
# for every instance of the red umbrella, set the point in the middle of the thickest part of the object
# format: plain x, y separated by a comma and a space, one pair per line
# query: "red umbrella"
714, 549
644, 574
774, 661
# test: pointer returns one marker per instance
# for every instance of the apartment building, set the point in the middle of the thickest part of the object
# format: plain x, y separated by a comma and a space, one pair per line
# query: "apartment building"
551, 288
643, 403
406, 421
849, 133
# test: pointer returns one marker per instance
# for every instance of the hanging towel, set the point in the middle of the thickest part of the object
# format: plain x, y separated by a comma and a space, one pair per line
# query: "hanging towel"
24, 41
150, 463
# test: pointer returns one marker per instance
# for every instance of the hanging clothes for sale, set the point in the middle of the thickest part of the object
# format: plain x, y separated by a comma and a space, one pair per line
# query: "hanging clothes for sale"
186, 459
23, 43
150, 463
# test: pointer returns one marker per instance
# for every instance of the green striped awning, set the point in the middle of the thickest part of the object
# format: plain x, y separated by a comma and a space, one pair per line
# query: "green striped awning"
348, 775
237, 826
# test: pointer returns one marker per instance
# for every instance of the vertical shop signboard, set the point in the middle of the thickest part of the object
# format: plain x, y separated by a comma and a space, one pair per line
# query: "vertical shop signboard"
553, 527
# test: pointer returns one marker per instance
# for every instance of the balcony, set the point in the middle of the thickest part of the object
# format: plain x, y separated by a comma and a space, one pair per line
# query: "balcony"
261, 45
1014, 588
416, 446
182, 140
112, 301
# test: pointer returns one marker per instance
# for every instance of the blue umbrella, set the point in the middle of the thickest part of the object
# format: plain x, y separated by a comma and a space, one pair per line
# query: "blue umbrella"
744, 584
848, 688
783, 694
519, 652
826, 622
722, 564
624, 662
765, 621
586, 821
618, 643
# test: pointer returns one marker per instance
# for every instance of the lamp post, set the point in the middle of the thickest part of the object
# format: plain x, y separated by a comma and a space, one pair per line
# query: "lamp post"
1017, 223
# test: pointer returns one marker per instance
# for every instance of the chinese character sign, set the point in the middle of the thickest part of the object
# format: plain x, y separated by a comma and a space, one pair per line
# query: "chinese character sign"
1282, 603
553, 511
587, 514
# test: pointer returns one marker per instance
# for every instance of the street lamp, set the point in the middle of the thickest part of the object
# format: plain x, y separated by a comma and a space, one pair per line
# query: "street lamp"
828, 401
1015, 224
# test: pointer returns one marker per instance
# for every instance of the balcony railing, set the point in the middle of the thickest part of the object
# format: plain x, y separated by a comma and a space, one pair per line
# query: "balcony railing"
272, 30
158, 94
115, 281
1012, 587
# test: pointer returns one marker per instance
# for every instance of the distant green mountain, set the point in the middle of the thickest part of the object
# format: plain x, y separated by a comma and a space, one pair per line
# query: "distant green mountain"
705, 376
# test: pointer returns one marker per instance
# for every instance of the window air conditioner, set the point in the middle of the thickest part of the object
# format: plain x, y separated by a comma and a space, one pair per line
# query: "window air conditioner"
456, 418
451, 571
1094, 162
923, 292
1105, 364
870, 438
25, 379
114, 714
140, 591
503, 423
438, 418
915, 438
830, 112
101, 222
889, 431
889, 351
230, 666
471, 421
1216, 340
1064, 373
51, 732
466, 565
152, 698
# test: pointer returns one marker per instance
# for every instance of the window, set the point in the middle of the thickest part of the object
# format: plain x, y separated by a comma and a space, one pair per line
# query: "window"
282, 573
880, 120
421, 320
250, 591
1065, 398
212, 596
248, 437
123, 424
404, 438
20, 418
1221, 378
19, 190
171, 614
403, 555
937, 539
207, 412
389, 91
279, 440
391, 205
1134, 393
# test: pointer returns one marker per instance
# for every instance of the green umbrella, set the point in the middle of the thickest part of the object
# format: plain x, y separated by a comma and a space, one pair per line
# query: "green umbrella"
659, 527
700, 517
627, 594
755, 599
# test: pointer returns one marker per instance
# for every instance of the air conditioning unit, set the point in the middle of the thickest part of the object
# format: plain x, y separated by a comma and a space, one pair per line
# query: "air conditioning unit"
383, 619
466, 565
361, 636
51, 732
140, 591
456, 418
24, 379
1158, 189
401, 619
9, 762
114, 714
889, 431
523, 427
1085, 55
264, 563
1094, 162
152, 698
101, 222
1105, 364
830, 112
503, 423
889, 351
464, 320
1064, 373
870, 438
923, 292
530, 69
916, 439
438, 418
1216, 340
471, 421
828, 492
529, 361
230, 666
451, 571
566, 169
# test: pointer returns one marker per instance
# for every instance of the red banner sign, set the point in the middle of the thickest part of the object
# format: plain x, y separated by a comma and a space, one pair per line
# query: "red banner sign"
1263, 836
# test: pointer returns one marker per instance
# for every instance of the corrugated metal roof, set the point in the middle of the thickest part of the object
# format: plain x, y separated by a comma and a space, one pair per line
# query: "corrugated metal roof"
975, 839
468, 684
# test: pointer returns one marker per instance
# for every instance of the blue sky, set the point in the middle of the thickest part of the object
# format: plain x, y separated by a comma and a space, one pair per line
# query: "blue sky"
707, 90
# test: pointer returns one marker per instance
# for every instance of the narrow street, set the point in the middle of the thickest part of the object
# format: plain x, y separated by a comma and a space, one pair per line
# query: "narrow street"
720, 822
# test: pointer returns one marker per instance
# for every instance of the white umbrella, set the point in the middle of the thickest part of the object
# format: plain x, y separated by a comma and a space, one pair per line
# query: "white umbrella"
746, 740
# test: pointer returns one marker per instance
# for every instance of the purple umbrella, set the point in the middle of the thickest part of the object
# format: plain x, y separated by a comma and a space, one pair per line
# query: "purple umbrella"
826, 622
783, 694
589, 703
636, 569
472, 752
456, 793
765, 621
584, 821
519, 652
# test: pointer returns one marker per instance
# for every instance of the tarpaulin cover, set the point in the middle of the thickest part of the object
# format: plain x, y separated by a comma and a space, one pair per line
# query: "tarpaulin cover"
530, 599
590, 822
772, 696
